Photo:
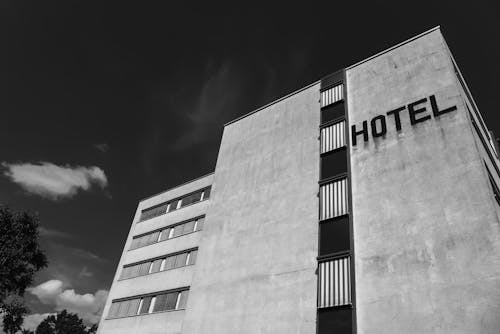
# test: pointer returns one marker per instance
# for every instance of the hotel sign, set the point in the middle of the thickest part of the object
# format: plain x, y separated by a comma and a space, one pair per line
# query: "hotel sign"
418, 112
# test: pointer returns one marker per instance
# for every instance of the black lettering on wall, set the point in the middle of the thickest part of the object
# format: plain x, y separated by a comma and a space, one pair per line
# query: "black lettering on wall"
435, 110
355, 133
413, 112
383, 126
397, 119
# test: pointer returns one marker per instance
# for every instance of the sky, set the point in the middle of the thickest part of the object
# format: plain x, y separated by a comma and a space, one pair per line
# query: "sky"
105, 103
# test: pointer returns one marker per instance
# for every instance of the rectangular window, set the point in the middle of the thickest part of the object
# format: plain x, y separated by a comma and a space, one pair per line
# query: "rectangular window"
167, 233
189, 227
333, 137
206, 193
153, 212
193, 198
144, 268
334, 282
333, 199
164, 263
170, 263
333, 163
165, 301
161, 302
146, 302
332, 95
192, 257
133, 307
199, 224
183, 300
180, 260
155, 267
175, 204
171, 301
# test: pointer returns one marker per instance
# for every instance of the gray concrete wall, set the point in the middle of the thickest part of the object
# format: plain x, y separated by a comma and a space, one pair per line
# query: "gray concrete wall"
257, 257
162, 322
426, 234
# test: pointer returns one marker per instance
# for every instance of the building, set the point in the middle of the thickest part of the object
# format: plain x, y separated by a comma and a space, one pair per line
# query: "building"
366, 202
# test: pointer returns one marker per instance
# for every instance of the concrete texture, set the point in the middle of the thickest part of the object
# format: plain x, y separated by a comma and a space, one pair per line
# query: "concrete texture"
426, 231
257, 257
163, 322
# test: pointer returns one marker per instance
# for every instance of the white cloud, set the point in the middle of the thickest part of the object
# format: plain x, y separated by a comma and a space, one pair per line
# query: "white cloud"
31, 321
52, 181
48, 292
88, 306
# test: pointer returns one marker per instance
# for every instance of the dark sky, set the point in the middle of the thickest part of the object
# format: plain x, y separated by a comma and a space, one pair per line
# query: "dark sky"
142, 91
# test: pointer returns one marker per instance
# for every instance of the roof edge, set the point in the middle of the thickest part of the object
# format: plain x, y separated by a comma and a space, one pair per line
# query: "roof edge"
177, 186
394, 47
272, 102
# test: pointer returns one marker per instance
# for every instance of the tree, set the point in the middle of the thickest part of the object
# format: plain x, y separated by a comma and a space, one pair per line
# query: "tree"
14, 312
64, 323
27, 331
20, 258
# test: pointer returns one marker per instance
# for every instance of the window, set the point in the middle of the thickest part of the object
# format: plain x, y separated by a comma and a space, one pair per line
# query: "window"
333, 137
178, 260
334, 282
165, 301
333, 199
154, 211
175, 204
332, 95
170, 232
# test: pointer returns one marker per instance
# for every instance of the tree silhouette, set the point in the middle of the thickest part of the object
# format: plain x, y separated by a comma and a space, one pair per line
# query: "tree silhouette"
20, 258
64, 323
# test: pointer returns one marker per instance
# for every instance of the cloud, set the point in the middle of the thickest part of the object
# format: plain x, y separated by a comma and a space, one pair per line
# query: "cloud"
51, 181
32, 321
102, 147
84, 254
48, 292
88, 306
50, 233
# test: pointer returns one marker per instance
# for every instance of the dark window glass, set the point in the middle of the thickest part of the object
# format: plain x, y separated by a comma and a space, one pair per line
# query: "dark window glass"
335, 320
192, 257
134, 270
333, 163
133, 307
125, 273
171, 301
207, 193
156, 266
190, 199
199, 225
188, 227
169, 262
154, 212
135, 243
153, 238
113, 310
161, 303
146, 302
144, 268
180, 260
183, 300
173, 205
178, 230
332, 112
334, 236
124, 308
164, 234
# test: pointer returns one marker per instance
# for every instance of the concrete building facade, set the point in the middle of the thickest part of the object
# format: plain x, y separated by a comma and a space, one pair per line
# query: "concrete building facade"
366, 202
